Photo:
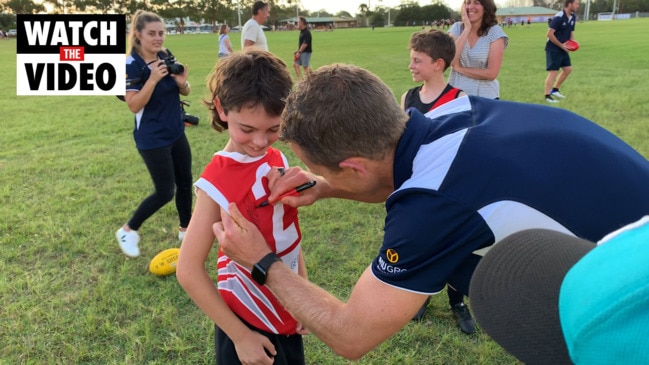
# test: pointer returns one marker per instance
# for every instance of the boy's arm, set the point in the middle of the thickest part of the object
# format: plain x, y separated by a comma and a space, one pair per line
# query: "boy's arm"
374, 312
301, 265
195, 280
403, 101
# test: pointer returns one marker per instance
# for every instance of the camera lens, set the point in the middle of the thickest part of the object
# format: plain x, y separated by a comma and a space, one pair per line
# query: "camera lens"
176, 68
173, 67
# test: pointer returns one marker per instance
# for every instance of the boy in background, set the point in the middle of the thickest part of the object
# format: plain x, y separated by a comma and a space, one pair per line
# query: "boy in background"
247, 95
431, 53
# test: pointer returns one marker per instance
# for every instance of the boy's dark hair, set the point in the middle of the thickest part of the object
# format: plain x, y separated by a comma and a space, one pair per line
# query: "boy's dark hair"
434, 43
258, 6
247, 79
568, 2
303, 20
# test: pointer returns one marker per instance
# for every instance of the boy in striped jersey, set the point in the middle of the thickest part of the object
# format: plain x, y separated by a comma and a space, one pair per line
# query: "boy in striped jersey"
248, 93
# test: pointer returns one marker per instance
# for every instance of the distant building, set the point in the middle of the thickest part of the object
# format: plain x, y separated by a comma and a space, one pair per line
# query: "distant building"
537, 14
188, 26
321, 23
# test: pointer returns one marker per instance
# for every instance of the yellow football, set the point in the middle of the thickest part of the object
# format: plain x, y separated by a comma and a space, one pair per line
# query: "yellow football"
165, 262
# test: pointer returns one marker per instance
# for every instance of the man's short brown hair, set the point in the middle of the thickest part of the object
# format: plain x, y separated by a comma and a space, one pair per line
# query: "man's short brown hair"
258, 6
341, 111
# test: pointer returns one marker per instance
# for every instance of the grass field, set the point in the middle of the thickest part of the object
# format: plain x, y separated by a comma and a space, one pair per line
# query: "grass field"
70, 176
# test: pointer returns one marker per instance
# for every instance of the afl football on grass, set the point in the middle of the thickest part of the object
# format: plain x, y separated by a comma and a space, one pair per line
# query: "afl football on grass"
165, 262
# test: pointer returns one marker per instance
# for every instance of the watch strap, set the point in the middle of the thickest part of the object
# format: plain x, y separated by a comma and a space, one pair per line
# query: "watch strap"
260, 269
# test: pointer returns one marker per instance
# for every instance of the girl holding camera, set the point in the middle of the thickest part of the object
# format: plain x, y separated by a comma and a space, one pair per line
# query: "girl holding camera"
154, 83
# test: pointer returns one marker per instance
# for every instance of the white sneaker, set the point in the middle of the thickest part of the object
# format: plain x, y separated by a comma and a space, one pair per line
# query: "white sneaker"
558, 94
550, 100
128, 242
181, 235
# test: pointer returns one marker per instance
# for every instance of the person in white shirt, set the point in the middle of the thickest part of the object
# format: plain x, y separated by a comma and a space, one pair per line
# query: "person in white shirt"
252, 34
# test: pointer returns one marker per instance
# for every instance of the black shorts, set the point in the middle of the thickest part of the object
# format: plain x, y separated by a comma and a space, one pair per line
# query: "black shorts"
290, 349
554, 60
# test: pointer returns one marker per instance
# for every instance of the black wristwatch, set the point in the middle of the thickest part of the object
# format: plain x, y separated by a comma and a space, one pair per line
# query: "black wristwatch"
260, 270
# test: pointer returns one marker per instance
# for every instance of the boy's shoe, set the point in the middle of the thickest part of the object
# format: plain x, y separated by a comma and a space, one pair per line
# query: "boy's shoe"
128, 242
181, 235
422, 311
466, 322
557, 94
549, 99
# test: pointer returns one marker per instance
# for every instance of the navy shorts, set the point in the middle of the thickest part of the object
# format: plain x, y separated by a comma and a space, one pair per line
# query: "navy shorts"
554, 60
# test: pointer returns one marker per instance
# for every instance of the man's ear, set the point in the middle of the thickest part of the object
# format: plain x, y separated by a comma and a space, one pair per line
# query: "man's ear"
219, 109
357, 164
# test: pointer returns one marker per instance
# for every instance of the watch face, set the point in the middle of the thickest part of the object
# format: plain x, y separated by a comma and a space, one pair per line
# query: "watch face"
259, 274
260, 269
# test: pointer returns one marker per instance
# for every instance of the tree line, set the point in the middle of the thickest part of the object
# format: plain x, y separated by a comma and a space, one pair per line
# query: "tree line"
229, 11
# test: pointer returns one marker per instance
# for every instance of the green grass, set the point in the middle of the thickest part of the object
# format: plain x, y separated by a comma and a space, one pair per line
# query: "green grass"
71, 176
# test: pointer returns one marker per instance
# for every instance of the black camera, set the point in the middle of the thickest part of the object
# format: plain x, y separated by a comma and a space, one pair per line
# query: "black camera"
173, 67
187, 118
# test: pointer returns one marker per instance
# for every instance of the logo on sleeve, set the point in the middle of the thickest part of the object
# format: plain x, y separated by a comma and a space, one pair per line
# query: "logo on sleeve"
70, 54
389, 266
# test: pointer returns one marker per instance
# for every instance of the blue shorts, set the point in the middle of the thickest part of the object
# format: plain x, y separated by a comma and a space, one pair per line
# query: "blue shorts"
554, 60
304, 60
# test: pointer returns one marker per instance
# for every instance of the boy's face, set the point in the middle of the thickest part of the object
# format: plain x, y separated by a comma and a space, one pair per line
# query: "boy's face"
251, 130
422, 67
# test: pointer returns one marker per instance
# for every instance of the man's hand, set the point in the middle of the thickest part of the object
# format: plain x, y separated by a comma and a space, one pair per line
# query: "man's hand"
301, 330
282, 180
239, 239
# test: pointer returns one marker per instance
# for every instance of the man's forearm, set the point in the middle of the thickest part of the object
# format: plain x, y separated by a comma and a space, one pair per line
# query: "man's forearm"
320, 312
